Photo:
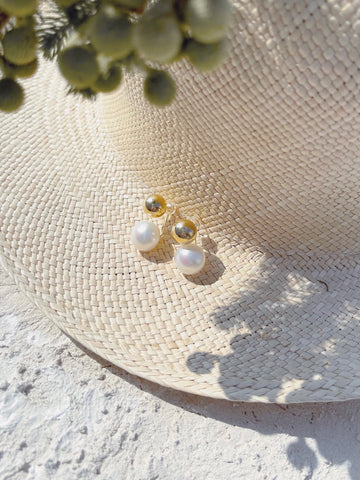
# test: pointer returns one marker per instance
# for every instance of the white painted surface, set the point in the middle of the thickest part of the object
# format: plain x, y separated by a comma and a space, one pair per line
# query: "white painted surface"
66, 415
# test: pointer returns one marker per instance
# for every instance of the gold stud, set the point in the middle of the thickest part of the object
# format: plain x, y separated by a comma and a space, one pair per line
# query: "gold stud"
155, 205
184, 231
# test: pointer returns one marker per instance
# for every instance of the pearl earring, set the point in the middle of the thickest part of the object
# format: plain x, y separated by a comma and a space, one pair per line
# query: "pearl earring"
146, 235
189, 257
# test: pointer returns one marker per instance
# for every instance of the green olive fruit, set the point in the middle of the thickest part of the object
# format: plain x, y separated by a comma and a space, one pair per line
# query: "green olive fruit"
11, 95
23, 71
19, 45
83, 29
19, 8
157, 36
209, 20
129, 3
159, 88
79, 66
111, 34
108, 82
207, 57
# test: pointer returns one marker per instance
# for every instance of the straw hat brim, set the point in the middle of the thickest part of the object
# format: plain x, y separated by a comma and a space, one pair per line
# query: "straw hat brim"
249, 327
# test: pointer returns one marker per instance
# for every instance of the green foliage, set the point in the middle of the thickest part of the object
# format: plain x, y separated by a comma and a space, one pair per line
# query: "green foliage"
96, 41
59, 23
53, 32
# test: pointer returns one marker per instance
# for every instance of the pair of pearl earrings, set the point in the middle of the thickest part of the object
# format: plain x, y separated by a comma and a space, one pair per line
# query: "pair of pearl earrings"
189, 257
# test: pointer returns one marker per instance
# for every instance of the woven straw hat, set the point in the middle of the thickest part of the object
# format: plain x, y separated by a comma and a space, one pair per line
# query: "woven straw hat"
266, 151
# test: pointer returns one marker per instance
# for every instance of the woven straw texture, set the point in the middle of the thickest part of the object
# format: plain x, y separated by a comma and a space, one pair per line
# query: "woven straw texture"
266, 151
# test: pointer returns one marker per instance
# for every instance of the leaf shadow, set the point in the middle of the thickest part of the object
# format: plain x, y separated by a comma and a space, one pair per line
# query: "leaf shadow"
332, 425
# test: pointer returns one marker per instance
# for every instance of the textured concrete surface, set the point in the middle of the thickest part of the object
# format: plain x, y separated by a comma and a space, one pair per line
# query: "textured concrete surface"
66, 414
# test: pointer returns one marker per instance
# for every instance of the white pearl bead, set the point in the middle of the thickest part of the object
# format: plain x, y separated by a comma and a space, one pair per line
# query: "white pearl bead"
189, 259
145, 236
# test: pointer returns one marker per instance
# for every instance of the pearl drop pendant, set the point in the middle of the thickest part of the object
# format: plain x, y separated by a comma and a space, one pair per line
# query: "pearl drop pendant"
145, 236
189, 259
